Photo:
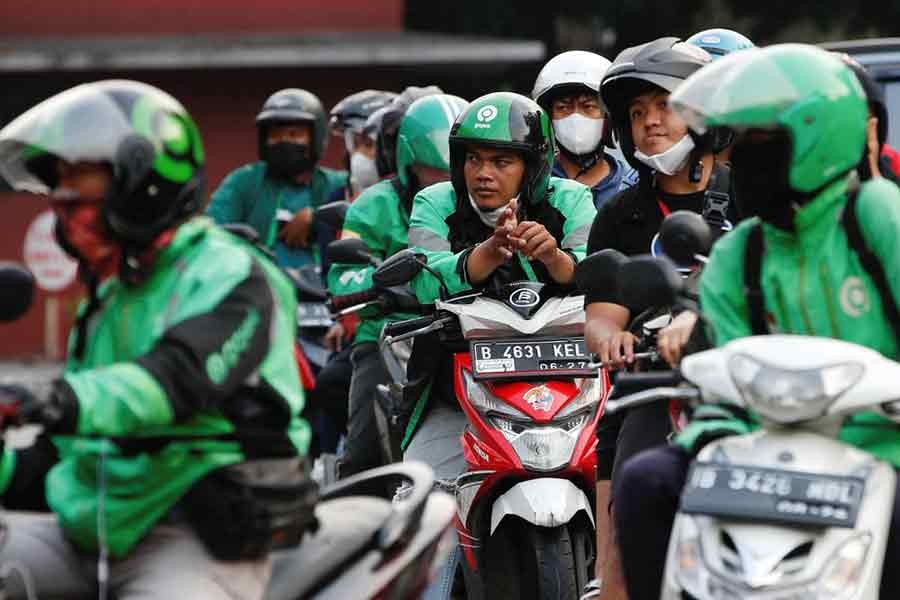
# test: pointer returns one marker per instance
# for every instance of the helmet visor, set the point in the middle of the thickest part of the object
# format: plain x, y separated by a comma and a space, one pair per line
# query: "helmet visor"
741, 91
80, 125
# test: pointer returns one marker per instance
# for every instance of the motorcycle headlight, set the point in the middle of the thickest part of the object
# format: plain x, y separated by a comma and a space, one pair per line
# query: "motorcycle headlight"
485, 402
588, 396
844, 570
539, 448
787, 396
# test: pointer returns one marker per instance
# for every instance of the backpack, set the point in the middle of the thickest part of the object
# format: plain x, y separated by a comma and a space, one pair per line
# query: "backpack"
755, 249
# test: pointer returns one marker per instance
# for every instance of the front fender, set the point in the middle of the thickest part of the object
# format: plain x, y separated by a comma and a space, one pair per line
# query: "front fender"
546, 502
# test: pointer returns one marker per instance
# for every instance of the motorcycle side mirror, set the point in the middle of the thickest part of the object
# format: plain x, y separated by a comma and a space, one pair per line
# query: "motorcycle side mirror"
400, 268
598, 274
647, 281
16, 290
349, 250
684, 235
332, 214
243, 231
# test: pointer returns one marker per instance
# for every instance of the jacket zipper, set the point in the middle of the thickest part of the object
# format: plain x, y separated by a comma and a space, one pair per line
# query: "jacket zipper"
829, 300
803, 308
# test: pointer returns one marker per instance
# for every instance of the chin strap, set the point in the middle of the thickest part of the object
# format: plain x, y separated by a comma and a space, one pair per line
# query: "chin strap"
585, 162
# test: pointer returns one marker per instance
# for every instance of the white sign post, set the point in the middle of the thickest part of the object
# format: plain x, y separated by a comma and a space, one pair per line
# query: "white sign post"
53, 270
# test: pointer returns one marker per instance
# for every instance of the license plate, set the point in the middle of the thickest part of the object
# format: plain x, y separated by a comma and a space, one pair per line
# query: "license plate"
531, 357
313, 314
772, 495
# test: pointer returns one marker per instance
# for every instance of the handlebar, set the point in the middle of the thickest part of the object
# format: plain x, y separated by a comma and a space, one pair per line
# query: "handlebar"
635, 382
401, 327
343, 301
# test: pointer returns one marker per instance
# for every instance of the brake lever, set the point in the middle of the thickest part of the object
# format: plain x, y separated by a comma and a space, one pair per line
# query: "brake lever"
650, 354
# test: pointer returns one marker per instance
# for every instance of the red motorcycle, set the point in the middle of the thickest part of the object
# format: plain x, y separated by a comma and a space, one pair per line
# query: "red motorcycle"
532, 398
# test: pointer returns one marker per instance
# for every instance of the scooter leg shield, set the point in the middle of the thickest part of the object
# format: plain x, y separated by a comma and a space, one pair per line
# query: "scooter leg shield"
546, 502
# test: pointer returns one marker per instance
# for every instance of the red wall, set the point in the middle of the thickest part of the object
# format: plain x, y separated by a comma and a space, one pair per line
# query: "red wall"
148, 17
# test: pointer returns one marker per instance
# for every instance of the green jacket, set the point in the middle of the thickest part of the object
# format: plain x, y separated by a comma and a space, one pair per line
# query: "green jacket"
206, 341
446, 230
248, 196
380, 217
814, 284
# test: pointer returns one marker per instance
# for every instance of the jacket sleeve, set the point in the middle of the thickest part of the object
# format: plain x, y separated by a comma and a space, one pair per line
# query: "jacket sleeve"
196, 365
430, 235
878, 213
227, 203
579, 212
722, 296
362, 220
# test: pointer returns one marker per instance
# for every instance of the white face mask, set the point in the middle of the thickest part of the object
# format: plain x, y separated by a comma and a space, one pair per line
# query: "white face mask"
363, 172
488, 217
578, 134
672, 160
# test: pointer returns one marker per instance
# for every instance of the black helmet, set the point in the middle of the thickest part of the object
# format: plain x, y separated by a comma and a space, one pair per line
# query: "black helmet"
663, 63
388, 124
292, 105
874, 95
351, 113
144, 134
506, 120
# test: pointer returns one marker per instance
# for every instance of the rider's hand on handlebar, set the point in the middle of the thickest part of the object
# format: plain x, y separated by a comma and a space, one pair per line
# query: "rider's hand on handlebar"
670, 341
58, 413
617, 350
295, 233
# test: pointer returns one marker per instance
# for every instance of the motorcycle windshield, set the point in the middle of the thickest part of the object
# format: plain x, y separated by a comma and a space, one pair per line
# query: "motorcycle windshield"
737, 92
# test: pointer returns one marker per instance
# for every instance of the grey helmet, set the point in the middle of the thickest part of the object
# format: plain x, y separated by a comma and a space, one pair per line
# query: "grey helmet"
572, 69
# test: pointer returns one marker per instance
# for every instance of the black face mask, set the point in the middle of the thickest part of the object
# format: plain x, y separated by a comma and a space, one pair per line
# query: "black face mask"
288, 160
760, 181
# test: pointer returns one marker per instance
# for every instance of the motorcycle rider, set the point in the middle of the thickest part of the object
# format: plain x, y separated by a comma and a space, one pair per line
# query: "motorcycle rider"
380, 217
389, 119
568, 89
180, 377
348, 121
677, 171
501, 218
278, 195
811, 215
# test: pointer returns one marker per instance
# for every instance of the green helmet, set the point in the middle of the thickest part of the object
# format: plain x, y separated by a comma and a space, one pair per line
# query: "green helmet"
803, 91
423, 136
506, 120
147, 137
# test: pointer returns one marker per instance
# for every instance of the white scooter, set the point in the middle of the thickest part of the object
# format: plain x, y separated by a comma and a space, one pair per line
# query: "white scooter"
788, 511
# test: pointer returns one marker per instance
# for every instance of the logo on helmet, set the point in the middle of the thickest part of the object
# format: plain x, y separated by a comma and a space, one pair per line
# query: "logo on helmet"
485, 115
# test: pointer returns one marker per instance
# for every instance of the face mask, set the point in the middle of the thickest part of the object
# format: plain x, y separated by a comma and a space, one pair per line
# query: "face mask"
288, 160
363, 172
85, 236
672, 160
578, 134
488, 217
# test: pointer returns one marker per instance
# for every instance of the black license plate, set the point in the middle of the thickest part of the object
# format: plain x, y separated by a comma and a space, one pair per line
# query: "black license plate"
772, 495
531, 357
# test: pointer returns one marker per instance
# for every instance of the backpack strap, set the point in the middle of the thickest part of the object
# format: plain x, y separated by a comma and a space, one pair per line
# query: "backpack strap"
753, 253
717, 198
870, 263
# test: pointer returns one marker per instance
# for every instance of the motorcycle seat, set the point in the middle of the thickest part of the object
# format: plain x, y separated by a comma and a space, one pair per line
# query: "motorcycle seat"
347, 526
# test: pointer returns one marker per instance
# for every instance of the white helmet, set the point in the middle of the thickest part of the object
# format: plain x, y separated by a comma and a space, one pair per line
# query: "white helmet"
582, 138
572, 68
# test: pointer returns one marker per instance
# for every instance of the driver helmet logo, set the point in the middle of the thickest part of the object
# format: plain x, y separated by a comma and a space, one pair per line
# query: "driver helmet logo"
524, 298
485, 115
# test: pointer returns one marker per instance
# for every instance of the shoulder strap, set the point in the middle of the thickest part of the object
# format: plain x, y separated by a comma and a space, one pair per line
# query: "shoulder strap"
753, 253
870, 263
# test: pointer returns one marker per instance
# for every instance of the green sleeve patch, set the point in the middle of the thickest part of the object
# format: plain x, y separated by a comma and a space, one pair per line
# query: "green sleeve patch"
220, 363
7, 468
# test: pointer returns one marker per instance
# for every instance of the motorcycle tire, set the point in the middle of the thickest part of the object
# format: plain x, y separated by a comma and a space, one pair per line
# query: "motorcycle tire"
530, 562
